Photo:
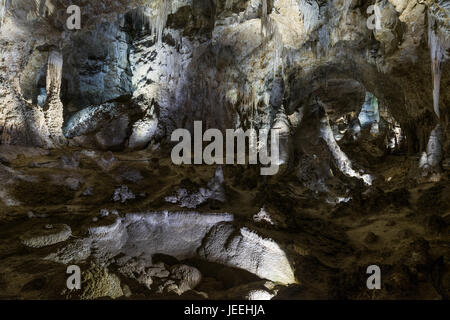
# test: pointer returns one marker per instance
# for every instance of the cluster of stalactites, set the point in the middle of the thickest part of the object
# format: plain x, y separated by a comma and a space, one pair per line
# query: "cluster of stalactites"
312, 21
164, 7
439, 43
311, 14
139, 19
147, 19
253, 108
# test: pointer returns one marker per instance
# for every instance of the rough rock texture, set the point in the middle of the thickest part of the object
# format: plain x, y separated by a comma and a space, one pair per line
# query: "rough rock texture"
191, 200
361, 105
97, 282
250, 59
175, 234
323, 240
248, 251
186, 277
42, 236
233, 65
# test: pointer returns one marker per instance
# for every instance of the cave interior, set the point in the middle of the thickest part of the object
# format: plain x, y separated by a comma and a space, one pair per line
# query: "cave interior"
92, 91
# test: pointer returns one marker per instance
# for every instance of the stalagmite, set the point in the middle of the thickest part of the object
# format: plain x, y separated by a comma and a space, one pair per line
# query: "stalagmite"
369, 115
281, 123
342, 161
433, 155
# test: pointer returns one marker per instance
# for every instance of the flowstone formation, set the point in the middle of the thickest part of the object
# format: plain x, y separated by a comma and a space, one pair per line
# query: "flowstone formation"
357, 92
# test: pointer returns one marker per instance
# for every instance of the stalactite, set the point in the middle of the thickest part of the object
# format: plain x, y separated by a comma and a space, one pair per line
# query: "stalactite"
152, 18
3, 4
53, 108
158, 23
269, 30
54, 73
278, 50
346, 7
310, 12
438, 56
139, 18
264, 19
324, 39
229, 4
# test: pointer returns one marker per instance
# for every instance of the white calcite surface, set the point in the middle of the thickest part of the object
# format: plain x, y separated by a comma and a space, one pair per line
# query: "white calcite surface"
178, 234
185, 235
243, 248
263, 216
431, 158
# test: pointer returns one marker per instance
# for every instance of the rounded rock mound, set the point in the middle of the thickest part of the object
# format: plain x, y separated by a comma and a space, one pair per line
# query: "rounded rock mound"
46, 235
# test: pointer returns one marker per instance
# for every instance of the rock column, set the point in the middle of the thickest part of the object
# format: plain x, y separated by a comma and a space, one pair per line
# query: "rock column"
53, 108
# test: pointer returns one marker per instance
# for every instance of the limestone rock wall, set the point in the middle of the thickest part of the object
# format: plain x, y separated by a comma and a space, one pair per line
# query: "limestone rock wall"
230, 64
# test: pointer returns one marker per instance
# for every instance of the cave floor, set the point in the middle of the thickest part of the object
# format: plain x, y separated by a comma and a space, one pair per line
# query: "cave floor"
397, 224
